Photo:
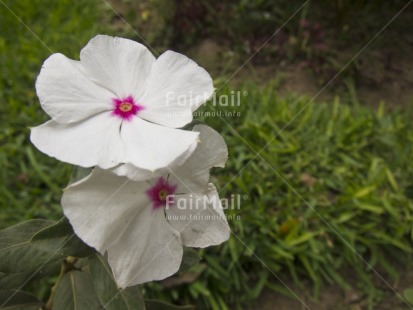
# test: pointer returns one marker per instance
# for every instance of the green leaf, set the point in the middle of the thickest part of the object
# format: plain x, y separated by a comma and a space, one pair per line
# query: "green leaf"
190, 257
21, 232
160, 305
18, 300
370, 208
41, 172
79, 173
17, 254
33, 249
262, 280
408, 295
110, 296
364, 191
392, 180
60, 237
302, 238
16, 280
75, 292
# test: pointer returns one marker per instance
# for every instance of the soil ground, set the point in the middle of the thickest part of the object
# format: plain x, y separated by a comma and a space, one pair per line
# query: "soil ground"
377, 80
335, 298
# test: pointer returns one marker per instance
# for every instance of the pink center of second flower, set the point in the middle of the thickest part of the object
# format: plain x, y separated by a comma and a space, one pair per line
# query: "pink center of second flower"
126, 108
159, 193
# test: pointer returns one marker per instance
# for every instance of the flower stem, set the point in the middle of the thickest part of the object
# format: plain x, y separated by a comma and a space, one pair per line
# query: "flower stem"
67, 264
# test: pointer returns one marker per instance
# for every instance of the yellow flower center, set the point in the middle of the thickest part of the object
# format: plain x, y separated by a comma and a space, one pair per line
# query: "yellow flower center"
125, 106
162, 194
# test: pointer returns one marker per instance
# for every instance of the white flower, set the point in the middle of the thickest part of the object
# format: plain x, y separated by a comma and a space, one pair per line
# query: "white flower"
142, 225
119, 104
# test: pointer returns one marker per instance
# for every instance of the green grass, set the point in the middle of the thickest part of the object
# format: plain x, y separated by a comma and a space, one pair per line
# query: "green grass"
333, 186
339, 177
30, 182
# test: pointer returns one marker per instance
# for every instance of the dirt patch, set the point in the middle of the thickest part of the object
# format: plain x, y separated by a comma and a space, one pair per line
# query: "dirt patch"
377, 77
333, 297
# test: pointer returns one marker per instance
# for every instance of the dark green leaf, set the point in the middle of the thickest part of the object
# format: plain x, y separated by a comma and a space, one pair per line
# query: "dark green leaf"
15, 280
21, 232
110, 296
60, 237
17, 254
32, 244
33, 249
75, 292
18, 300
160, 305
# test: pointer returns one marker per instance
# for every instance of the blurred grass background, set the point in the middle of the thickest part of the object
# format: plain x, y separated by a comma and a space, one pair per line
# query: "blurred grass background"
338, 178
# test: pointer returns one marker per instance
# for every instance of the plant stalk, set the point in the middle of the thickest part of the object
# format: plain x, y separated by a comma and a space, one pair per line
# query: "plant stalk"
67, 264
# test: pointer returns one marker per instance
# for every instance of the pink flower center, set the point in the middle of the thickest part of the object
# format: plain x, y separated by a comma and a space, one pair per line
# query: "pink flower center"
161, 193
126, 108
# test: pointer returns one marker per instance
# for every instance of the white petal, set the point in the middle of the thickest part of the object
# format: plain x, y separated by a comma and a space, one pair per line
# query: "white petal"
176, 87
67, 94
199, 218
118, 64
150, 249
152, 147
95, 141
138, 174
193, 175
114, 215
133, 173
100, 207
